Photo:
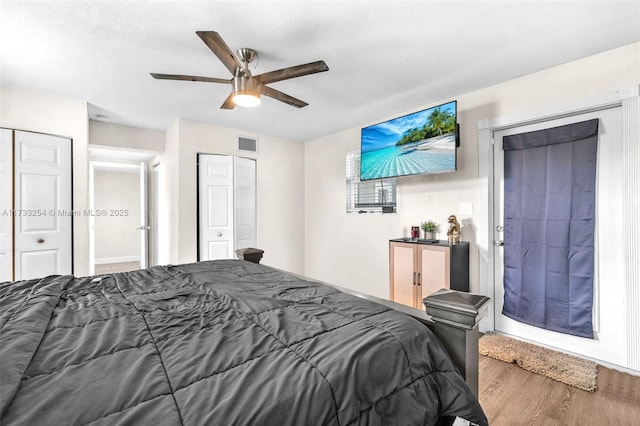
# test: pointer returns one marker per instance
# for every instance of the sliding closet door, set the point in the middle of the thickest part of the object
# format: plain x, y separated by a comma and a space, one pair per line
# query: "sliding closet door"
43, 227
226, 205
6, 191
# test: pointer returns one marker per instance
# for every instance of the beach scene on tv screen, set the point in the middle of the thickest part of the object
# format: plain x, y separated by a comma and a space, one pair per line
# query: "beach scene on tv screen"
422, 142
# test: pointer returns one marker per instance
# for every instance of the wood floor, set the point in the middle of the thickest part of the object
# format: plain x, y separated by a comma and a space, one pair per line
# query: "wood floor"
511, 396
110, 268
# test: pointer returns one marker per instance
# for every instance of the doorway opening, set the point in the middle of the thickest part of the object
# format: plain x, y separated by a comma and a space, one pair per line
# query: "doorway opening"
118, 212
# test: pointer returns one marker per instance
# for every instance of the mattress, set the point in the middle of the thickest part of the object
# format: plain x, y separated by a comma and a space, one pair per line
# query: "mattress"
224, 342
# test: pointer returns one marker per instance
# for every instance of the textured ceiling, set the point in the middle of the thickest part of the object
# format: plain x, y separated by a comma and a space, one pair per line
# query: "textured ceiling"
386, 58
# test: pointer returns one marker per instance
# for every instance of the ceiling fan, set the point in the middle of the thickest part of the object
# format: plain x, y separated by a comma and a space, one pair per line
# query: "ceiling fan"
246, 88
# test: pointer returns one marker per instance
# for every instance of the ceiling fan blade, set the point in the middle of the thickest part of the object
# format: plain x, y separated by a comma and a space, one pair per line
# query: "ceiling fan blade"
189, 78
228, 103
283, 97
220, 49
292, 72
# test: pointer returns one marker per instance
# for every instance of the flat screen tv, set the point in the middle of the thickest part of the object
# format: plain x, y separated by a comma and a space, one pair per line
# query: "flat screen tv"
417, 143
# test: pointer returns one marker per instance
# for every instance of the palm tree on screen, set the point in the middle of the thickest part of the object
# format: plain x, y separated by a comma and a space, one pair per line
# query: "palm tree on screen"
437, 120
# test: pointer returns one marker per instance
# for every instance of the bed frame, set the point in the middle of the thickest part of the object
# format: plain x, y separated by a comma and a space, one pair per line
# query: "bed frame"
452, 315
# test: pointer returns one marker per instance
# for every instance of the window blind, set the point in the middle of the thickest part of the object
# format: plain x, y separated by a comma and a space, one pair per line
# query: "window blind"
372, 196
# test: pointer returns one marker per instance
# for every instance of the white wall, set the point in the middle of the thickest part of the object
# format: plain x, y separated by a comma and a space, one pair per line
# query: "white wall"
170, 202
56, 115
352, 250
116, 235
280, 187
119, 136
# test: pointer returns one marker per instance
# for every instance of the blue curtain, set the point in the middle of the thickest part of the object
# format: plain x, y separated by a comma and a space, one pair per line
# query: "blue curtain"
549, 223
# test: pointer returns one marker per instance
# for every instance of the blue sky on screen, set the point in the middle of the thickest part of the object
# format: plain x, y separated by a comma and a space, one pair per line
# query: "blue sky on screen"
386, 134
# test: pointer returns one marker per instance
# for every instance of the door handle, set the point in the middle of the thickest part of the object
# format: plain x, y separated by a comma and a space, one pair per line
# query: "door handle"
143, 228
219, 234
499, 243
419, 279
40, 240
414, 278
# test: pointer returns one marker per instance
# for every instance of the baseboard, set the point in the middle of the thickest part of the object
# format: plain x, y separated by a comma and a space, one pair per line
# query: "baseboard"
121, 259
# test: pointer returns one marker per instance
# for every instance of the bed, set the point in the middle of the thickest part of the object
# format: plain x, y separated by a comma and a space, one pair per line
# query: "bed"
225, 342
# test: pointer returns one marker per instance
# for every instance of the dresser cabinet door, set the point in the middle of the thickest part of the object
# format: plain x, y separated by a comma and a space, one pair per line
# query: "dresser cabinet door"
402, 273
434, 269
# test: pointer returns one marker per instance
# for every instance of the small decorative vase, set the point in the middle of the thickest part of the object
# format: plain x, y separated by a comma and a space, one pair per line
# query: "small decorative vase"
428, 235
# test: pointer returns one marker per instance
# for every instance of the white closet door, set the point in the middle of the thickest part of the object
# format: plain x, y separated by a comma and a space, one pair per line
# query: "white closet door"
215, 181
6, 191
244, 171
226, 205
43, 189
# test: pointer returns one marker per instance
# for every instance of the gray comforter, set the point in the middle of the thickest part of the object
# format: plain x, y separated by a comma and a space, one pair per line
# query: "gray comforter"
217, 343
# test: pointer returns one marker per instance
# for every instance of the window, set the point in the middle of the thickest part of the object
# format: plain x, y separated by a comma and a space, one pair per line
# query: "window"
372, 196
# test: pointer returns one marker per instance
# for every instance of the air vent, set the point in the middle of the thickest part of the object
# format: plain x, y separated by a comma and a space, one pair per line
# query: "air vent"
247, 144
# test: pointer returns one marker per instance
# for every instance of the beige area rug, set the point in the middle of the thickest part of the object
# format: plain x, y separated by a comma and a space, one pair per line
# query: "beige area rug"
558, 366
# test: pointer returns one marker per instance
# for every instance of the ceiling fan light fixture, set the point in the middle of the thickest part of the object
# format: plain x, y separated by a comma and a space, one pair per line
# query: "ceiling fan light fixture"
246, 92
246, 99
245, 88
